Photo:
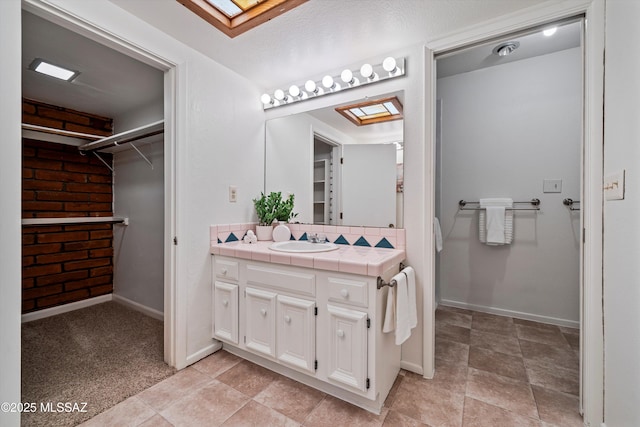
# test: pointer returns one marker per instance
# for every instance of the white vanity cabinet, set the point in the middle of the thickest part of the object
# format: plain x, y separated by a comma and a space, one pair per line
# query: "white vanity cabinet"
319, 327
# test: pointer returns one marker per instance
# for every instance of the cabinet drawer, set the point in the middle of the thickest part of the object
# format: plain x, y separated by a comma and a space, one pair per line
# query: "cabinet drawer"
347, 291
292, 281
226, 269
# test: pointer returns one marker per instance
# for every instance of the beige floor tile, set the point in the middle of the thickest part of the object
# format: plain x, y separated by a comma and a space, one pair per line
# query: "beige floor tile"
535, 324
553, 355
450, 376
332, 412
130, 412
254, 414
495, 342
173, 388
553, 377
396, 419
498, 363
500, 325
248, 378
544, 336
429, 403
394, 390
453, 318
573, 340
557, 408
480, 414
217, 363
454, 309
290, 398
156, 421
506, 393
451, 351
452, 332
209, 406
567, 330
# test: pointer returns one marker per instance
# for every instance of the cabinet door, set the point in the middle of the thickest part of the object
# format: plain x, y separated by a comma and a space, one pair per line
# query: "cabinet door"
225, 316
348, 347
260, 329
296, 327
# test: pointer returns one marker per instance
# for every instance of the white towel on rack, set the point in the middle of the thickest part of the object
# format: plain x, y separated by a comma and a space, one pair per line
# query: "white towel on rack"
403, 321
389, 324
410, 273
437, 231
495, 222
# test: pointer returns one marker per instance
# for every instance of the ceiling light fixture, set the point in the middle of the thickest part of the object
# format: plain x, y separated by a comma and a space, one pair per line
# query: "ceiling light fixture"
506, 49
389, 68
550, 31
49, 69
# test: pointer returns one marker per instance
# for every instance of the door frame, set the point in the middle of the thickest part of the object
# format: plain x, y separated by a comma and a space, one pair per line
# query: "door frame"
174, 326
592, 333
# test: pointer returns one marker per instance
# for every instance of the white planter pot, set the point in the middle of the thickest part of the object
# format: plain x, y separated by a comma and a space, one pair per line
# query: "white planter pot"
264, 232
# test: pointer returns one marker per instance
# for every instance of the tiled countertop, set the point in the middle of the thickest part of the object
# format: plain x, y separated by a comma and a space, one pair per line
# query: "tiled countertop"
366, 261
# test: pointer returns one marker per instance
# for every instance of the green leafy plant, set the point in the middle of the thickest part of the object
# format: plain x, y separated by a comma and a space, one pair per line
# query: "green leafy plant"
272, 207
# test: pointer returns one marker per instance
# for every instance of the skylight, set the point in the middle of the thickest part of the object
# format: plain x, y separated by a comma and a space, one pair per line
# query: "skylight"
234, 17
41, 66
375, 111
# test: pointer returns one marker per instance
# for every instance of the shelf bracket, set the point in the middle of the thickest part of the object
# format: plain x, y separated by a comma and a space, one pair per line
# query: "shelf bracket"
105, 163
141, 155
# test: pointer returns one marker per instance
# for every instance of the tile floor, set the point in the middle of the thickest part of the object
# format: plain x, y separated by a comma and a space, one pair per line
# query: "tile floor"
490, 371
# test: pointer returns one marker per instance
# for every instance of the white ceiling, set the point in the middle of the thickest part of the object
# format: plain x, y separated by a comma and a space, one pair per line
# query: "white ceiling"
317, 37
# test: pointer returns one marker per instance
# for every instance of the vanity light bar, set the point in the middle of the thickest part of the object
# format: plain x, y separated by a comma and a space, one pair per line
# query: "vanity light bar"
389, 68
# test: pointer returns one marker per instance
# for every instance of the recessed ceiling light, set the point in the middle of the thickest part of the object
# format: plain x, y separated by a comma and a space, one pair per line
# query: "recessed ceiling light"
506, 49
41, 66
550, 31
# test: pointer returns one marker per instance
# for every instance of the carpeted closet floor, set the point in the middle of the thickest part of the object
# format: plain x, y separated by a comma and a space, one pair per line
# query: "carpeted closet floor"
98, 355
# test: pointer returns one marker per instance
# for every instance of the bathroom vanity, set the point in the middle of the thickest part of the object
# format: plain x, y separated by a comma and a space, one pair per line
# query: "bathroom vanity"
313, 317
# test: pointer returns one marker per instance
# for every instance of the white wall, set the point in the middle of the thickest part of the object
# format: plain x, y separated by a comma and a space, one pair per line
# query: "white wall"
289, 156
504, 130
10, 228
138, 194
622, 218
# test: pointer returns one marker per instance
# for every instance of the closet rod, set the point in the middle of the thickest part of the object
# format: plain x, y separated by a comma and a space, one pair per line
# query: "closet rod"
76, 220
462, 205
154, 128
61, 132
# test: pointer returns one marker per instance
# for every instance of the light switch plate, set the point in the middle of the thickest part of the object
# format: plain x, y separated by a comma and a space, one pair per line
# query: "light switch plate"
614, 186
552, 186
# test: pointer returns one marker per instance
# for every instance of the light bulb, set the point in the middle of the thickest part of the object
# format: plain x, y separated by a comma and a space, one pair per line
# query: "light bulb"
280, 95
310, 86
367, 72
327, 81
294, 91
550, 31
266, 99
347, 77
389, 65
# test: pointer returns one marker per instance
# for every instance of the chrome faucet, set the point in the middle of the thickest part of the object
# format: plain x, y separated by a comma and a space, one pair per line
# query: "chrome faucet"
314, 238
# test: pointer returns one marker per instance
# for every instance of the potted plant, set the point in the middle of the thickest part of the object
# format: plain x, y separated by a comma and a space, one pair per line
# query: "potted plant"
271, 208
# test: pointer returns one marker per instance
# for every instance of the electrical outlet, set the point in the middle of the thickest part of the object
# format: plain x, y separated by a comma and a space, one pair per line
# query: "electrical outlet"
233, 193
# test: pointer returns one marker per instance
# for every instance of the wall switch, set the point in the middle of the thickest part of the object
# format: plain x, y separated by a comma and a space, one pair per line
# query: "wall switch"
552, 186
614, 186
233, 193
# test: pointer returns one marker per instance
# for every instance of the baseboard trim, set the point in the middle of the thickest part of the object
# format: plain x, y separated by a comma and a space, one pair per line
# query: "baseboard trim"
207, 351
412, 367
510, 313
151, 312
53, 311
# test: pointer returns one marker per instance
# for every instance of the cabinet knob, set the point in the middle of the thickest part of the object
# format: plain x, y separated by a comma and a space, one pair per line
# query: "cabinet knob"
344, 293
263, 311
224, 271
340, 333
287, 319
225, 302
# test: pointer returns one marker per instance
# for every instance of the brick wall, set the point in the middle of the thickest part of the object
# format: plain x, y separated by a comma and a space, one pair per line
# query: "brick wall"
62, 264
51, 116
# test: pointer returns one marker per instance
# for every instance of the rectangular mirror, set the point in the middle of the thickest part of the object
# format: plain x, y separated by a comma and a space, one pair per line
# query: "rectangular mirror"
343, 168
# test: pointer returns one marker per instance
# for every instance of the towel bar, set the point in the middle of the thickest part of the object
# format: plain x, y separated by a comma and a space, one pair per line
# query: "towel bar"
392, 283
462, 205
570, 203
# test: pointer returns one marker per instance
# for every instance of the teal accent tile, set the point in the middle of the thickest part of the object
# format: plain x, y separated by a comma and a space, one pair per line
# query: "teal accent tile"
219, 241
304, 237
232, 238
292, 238
341, 241
361, 242
384, 243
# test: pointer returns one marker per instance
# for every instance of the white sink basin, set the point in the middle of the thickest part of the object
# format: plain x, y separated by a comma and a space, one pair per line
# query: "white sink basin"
301, 246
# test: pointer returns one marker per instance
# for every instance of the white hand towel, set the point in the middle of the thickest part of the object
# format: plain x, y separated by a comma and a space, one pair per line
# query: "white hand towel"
438, 234
403, 324
410, 273
495, 219
389, 324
